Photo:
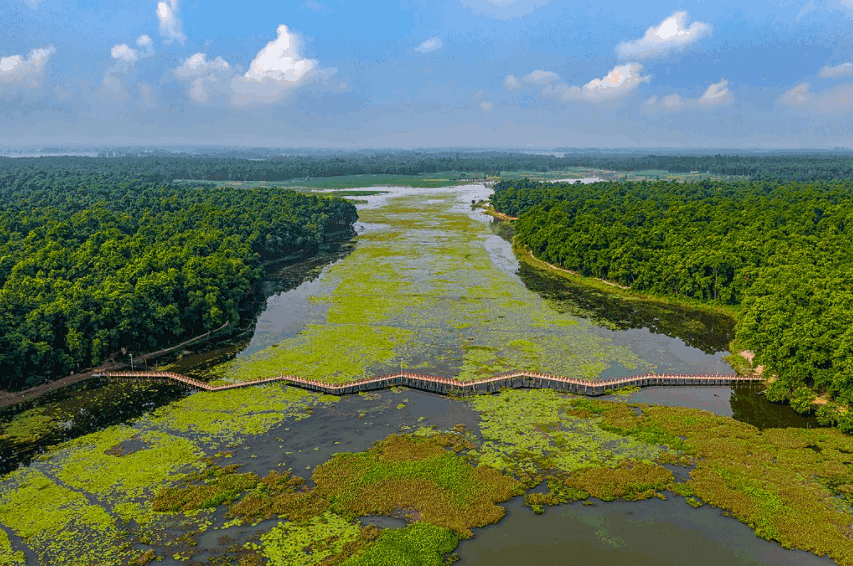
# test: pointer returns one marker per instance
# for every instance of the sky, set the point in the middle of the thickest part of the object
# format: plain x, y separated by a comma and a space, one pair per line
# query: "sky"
770, 74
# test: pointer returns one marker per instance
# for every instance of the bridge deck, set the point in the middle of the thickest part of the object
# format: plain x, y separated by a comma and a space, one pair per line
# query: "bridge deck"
514, 379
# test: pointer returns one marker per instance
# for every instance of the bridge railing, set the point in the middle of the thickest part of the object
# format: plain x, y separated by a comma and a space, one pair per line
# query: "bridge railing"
415, 379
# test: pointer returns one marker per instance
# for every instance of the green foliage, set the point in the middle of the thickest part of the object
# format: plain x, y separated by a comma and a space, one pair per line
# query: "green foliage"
419, 544
9, 556
207, 489
310, 543
91, 262
59, 528
527, 432
779, 252
416, 476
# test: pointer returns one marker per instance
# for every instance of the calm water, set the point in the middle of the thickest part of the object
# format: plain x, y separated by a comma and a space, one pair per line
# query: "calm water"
618, 533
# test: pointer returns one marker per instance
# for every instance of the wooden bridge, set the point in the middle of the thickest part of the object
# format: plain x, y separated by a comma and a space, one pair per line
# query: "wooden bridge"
446, 386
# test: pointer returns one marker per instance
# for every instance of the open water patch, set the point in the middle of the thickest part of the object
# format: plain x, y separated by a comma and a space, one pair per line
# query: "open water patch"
615, 533
352, 424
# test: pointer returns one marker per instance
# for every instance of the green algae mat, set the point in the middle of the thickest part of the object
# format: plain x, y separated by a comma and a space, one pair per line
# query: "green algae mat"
158, 491
421, 289
179, 486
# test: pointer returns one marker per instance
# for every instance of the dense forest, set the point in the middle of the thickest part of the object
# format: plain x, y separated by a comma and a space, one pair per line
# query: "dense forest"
780, 252
93, 260
167, 168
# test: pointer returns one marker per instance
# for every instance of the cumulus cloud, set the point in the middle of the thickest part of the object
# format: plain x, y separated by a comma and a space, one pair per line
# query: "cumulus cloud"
717, 93
563, 92
671, 34
672, 101
836, 100
837, 72
430, 44
16, 70
126, 56
170, 23
276, 70
797, 95
114, 85
512, 83
540, 77
621, 80
205, 78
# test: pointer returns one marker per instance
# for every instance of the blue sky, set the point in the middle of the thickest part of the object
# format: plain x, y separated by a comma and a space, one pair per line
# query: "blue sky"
417, 73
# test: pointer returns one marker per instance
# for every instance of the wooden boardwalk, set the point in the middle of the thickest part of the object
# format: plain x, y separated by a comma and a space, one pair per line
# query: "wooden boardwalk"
446, 386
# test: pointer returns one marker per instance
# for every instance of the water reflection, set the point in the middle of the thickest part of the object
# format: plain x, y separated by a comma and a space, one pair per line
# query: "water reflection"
27, 429
708, 332
620, 533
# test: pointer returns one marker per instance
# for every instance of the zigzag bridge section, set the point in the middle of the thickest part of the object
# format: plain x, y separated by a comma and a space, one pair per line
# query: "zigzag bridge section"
446, 386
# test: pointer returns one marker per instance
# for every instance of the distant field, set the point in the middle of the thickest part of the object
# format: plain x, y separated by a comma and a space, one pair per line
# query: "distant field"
356, 193
581, 172
452, 178
355, 181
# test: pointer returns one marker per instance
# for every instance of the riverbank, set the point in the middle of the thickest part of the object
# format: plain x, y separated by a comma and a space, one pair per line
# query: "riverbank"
275, 474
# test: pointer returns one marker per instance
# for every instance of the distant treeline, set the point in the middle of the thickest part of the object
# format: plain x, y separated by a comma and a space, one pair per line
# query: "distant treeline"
164, 168
92, 260
781, 251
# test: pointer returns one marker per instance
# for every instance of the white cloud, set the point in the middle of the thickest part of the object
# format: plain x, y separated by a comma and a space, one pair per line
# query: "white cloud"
198, 64
797, 95
205, 78
315, 6
512, 83
33, 3
126, 56
276, 70
672, 101
717, 93
670, 35
430, 44
837, 72
26, 72
114, 85
836, 100
540, 77
170, 23
621, 80
486, 105
563, 92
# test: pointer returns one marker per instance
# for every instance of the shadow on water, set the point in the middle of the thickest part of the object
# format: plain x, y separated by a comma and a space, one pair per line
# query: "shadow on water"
649, 532
280, 301
27, 429
745, 404
351, 424
708, 332
750, 406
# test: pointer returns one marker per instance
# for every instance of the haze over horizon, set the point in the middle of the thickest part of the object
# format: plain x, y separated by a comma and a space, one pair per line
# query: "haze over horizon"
524, 74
